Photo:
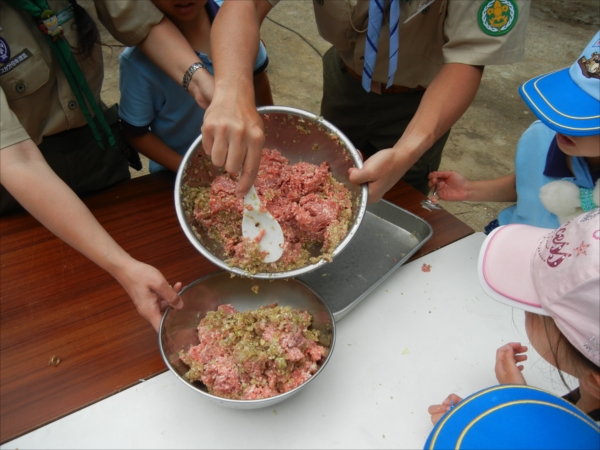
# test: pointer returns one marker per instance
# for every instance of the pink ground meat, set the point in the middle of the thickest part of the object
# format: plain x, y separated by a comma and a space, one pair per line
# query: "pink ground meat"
312, 208
254, 354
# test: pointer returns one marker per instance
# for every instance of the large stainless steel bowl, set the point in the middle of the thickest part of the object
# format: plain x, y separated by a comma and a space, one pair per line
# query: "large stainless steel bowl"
299, 136
178, 327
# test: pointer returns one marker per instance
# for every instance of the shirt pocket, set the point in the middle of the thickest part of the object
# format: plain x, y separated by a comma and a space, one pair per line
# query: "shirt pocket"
333, 22
26, 77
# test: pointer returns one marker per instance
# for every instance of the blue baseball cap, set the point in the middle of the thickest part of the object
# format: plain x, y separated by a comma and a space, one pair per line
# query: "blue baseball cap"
568, 100
514, 417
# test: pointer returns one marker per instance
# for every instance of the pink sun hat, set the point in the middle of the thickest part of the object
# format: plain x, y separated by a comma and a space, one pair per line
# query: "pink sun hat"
550, 272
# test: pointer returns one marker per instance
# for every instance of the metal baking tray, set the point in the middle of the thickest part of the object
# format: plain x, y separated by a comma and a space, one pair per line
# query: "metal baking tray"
387, 237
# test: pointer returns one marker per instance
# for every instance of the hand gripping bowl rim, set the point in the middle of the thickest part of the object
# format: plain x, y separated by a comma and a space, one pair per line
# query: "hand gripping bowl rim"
362, 206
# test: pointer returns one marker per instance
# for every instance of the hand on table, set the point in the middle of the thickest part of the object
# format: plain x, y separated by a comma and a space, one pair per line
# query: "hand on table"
382, 171
437, 411
233, 136
451, 185
149, 291
508, 371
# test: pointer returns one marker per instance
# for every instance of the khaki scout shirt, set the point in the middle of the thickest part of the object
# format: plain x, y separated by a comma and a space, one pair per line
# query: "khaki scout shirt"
35, 98
447, 31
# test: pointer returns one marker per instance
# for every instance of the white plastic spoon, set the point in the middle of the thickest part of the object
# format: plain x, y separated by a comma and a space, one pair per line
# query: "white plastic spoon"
254, 221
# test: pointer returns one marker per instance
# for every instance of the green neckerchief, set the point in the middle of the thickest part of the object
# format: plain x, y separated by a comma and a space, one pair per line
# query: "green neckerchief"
40, 11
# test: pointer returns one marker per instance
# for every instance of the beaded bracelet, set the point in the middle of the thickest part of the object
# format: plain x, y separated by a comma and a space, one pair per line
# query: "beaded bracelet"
586, 197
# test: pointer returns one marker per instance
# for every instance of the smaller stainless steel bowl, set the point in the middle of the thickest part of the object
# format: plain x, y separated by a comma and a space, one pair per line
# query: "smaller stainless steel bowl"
178, 326
299, 136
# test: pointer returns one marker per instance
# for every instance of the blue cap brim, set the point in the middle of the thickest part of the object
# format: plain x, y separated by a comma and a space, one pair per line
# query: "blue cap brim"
560, 104
514, 417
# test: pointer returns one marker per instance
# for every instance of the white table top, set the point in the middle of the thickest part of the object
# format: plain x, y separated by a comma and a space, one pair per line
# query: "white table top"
415, 339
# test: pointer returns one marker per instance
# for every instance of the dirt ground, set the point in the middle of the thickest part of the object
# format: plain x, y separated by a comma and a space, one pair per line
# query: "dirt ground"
483, 142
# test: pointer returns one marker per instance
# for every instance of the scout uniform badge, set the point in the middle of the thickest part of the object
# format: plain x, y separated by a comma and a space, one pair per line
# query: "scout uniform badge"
4, 51
497, 17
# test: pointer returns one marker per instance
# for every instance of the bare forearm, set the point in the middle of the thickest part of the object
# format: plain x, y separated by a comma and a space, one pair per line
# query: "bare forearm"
233, 132
234, 39
154, 148
27, 176
444, 102
165, 39
166, 47
501, 189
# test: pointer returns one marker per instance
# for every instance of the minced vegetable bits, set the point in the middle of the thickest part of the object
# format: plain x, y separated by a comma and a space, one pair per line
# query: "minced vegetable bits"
254, 354
313, 209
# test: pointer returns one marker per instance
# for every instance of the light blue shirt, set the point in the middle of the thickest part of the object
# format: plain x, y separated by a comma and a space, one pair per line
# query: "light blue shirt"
530, 162
150, 98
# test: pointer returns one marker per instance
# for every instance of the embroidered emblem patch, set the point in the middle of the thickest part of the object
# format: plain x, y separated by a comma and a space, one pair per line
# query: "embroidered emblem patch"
15, 61
497, 17
590, 68
4, 51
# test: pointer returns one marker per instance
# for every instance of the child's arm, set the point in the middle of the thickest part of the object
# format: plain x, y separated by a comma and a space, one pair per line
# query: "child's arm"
154, 148
507, 358
262, 89
166, 47
455, 187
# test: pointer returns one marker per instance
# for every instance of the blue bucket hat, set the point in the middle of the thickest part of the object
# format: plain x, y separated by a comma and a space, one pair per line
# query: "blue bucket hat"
514, 417
568, 100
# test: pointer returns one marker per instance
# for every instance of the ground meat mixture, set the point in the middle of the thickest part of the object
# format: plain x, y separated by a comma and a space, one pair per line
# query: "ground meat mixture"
313, 209
254, 354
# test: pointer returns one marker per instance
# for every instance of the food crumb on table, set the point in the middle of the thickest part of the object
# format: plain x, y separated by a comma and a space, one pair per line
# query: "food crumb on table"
426, 268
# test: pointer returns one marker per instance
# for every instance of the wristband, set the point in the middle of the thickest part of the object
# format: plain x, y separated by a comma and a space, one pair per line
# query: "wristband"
586, 198
187, 77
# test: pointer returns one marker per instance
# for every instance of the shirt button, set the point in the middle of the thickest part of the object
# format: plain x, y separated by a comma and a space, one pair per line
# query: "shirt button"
20, 88
72, 104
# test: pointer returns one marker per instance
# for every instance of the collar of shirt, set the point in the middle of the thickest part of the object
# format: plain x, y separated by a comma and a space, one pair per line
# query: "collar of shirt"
212, 8
556, 167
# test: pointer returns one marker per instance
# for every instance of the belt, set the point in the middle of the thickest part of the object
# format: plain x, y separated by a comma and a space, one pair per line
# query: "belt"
382, 88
